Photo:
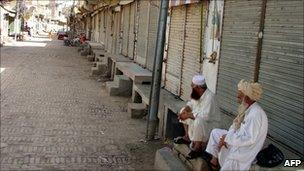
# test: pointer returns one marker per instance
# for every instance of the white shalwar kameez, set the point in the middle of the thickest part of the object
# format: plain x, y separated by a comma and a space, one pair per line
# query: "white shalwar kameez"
243, 144
206, 114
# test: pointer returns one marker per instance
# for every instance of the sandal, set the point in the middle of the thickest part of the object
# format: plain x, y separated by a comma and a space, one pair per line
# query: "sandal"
181, 140
213, 167
207, 157
194, 155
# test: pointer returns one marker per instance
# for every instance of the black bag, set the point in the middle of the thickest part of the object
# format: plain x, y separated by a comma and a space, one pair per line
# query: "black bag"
271, 156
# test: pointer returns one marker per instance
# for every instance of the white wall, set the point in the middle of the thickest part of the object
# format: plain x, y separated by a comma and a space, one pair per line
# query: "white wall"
212, 43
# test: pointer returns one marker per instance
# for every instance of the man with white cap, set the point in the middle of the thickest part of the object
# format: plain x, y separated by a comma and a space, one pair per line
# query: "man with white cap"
237, 148
200, 115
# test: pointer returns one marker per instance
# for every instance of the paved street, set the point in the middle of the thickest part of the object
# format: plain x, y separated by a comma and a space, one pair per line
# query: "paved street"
55, 116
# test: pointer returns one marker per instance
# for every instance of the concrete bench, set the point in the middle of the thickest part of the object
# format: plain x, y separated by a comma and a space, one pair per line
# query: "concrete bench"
95, 45
141, 93
140, 100
134, 72
112, 59
99, 55
169, 105
166, 160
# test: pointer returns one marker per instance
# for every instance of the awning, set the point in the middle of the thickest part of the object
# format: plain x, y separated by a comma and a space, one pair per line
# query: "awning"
182, 2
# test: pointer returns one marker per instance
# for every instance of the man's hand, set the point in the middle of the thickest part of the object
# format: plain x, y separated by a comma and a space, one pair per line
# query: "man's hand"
222, 142
186, 113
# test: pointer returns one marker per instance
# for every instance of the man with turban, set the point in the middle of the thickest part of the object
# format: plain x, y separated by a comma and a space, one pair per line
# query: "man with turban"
199, 117
237, 148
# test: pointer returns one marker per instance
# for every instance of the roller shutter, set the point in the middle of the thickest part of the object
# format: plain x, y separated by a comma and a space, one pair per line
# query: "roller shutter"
281, 71
131, 31
96, 35
142, 36
238, 49
152, 33
109, 32
116, 33
125, 29
102, 27
175, 49
191, 56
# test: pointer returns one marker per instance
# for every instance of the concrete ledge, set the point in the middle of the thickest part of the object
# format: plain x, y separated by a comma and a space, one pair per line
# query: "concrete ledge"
197, 164
137, 110
95, 45
166, 161
121, 86
84, 52
90, 58
112, 59
168, 102
134, 72
142, 90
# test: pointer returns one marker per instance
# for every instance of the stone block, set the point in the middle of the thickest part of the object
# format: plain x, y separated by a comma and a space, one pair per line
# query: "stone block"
165, 160
137, 110
197, 164
90, 58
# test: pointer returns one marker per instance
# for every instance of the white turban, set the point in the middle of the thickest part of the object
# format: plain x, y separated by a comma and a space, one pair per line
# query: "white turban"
251, 89
198, 80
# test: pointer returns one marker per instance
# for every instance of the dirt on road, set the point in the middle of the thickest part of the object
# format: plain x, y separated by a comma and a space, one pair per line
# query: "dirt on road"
54, 115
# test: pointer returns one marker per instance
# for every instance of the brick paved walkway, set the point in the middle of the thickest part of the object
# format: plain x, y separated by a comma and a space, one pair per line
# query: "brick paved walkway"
54, 116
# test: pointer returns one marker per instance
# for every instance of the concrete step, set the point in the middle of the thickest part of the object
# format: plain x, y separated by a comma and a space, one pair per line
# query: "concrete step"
90, 58
100, 59
123, 81
182, 151
114, 89
137, 110
166, 160
111, 87
95, 71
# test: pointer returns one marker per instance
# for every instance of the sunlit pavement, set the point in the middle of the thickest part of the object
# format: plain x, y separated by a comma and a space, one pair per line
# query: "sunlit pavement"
55, 116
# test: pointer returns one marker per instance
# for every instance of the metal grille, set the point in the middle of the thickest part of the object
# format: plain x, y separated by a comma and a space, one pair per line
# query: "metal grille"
131, 31
102, 27
125, 25
175, 49
281, 71
96, 36
191, 57
152, 33
109, 30
238, 49
142, 36
116, 34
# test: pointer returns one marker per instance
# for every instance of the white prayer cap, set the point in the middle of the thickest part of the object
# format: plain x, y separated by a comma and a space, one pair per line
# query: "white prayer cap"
252, 90
198, 80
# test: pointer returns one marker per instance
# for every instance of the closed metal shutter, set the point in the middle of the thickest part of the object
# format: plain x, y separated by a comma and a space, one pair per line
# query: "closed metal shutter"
142, 34
125, 25
281, 71
93, 29
116, 34
102, 27
238, 49
131, 31
191, 58
152, 33
175, 49
99, 26
96, 36
109, 32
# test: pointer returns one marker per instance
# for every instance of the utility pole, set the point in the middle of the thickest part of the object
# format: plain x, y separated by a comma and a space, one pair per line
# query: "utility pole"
157, 70
17, 18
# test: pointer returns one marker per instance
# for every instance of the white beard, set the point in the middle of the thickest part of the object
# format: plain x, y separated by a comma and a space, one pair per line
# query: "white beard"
242, 107
240, 117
